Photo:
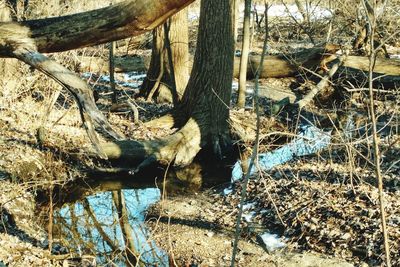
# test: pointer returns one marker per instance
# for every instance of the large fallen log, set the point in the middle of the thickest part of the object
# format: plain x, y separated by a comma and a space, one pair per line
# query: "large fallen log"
290, 65
283, 65
119, 21
355, 70
277, 66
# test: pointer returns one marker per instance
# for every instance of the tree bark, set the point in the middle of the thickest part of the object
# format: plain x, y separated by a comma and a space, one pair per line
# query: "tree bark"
119, 21
208, 94
204, 111
164, 82
245, 55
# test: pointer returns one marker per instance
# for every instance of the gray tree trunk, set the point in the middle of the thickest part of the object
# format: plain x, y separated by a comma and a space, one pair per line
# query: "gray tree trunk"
245, 55
169, 66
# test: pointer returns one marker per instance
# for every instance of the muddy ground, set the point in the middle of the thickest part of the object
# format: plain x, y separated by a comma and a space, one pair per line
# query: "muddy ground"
188, 229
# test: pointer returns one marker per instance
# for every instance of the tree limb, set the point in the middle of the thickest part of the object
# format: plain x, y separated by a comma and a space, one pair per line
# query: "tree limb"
119, 21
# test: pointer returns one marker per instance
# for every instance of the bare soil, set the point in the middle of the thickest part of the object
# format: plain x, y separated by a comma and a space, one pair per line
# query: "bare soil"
187, 228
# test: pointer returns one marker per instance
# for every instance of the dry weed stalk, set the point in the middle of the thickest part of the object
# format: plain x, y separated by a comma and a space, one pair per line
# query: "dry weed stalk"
372, 16
254, 154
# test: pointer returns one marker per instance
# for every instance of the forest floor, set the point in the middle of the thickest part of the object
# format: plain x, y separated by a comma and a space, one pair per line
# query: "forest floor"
325, 207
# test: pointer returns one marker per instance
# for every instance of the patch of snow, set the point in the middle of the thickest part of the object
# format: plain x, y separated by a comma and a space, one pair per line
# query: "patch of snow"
129, 76
86, 75
237, 172
248, 216
130, 79
315, 12
249, 206
105, 78
235, 85
395, 56
272, 241
227, 191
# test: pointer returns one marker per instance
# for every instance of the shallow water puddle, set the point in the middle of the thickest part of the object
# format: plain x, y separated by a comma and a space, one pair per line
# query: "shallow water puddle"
310, 140
110, 222
110, 225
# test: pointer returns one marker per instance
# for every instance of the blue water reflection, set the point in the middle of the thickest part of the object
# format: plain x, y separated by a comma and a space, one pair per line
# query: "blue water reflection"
95, 221
310, 140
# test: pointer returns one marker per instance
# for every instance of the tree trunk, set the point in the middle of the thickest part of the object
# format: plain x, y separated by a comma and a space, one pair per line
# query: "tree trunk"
164, 82
245, 55
208, 94
204, 111
236, 5
111, 63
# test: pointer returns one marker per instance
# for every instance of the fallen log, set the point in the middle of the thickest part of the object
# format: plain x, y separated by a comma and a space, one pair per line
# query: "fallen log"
284, 65
122, 64
278, 66
287, 66
119, 21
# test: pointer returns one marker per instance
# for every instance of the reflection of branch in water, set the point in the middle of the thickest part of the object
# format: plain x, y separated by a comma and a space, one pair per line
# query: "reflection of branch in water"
119, 202
99, 228
75, 232
137, 196
65, 229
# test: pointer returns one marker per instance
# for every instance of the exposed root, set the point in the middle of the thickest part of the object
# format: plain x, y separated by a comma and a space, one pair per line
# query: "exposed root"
180, 148
166, 121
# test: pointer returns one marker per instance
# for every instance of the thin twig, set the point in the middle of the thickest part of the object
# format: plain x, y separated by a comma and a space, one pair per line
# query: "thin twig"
372, 59
255, 147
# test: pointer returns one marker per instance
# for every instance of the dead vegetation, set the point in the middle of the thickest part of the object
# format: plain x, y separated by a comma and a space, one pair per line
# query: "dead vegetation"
327, 203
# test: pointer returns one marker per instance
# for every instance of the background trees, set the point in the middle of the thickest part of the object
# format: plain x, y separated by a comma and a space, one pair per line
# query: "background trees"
168, 72
203, 117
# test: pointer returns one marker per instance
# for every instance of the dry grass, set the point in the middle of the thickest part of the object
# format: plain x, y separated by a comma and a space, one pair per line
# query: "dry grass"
26, 165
